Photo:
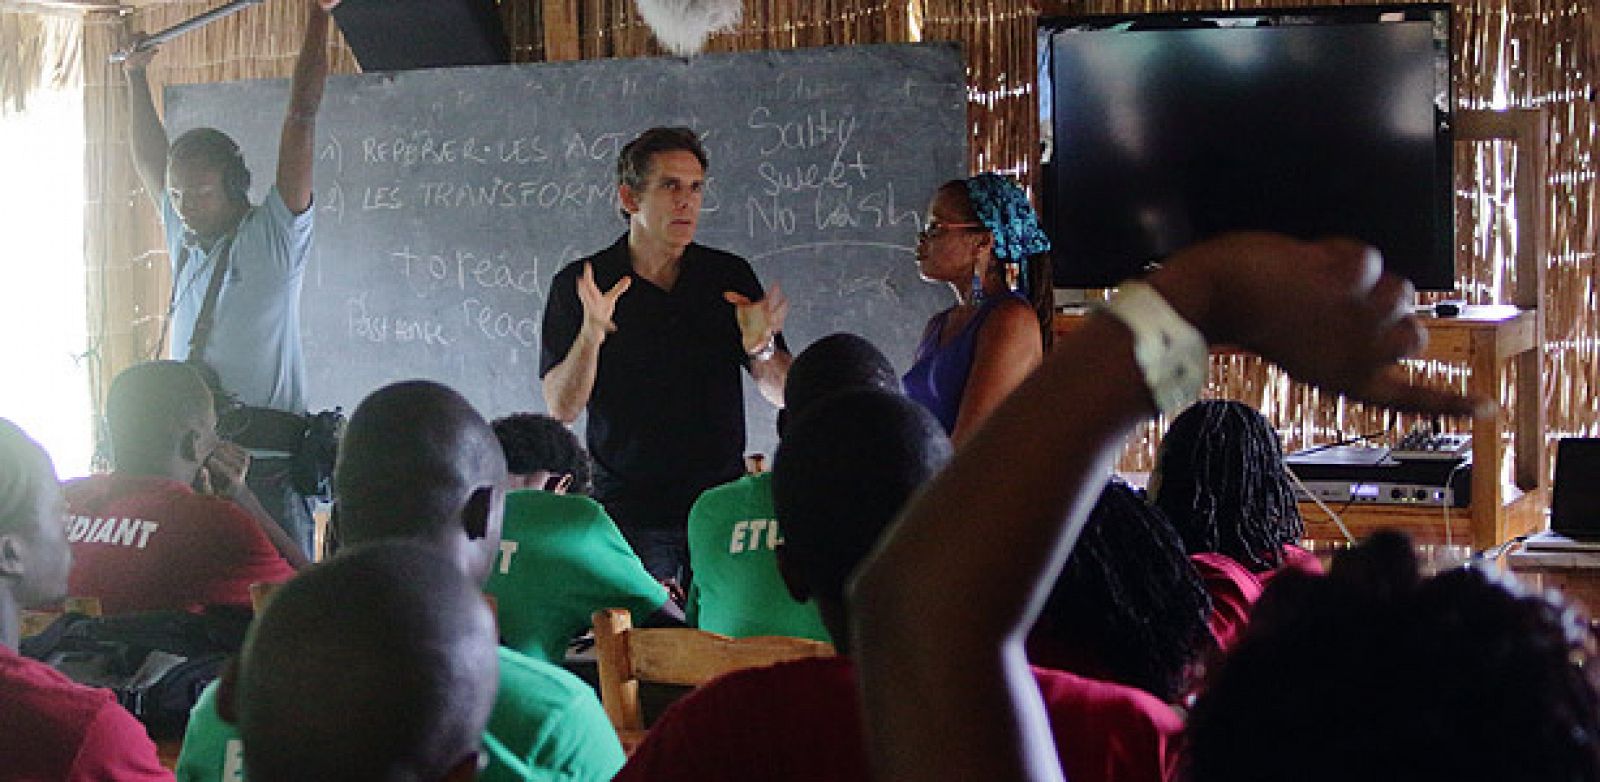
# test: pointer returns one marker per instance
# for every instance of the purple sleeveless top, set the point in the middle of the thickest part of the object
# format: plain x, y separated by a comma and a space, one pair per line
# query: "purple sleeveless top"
938, 376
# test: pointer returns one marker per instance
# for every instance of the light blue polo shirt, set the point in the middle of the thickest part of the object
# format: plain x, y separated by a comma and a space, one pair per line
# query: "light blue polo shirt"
255, 337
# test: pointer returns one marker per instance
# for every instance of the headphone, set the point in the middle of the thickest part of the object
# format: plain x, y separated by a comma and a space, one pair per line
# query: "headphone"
216, 144
235, 175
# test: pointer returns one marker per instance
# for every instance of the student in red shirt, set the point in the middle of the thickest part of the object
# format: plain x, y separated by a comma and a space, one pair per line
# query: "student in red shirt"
992, 529
142, 538
842, 472
1221, 479
50, 727
1129, 606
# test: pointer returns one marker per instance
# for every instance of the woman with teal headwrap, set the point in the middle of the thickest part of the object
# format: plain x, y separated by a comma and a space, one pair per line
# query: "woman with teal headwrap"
982, 238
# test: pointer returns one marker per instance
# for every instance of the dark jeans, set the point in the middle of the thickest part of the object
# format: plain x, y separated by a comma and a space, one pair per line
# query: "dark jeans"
664, 552
269, 479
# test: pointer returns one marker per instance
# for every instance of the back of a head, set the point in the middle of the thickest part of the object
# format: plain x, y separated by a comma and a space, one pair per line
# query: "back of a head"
379, 664
417, 462
837, 362
1370, 674
30, 510
21, 463
1221, 479
534, 442
1128, 599
151, 405
844, 470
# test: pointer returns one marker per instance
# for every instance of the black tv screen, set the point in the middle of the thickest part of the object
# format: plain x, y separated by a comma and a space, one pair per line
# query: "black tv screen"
1162, 130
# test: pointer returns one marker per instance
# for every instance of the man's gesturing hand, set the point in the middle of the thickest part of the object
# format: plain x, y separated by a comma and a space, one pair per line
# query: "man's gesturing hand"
598, 307
759, 321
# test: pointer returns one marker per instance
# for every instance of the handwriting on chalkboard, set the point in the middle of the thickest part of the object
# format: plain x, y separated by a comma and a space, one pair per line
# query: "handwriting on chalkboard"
448, 199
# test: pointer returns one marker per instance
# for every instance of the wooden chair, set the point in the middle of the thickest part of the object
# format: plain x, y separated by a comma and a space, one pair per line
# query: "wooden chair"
261, 593
626, 656
35, 622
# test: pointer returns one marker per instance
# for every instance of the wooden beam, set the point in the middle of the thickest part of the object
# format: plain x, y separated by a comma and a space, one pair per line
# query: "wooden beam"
560, 22
1524, 128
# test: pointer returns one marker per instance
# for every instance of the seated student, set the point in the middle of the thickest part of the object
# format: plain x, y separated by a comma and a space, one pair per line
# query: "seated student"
417, 463
1374, 673
1128, 606
843, 471
732, 530
995, 525
50, 727
1221, 479
376, 665
561, 557
142, 538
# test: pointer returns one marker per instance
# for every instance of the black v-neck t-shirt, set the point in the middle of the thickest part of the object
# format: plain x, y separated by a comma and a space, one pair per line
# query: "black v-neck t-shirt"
666, 417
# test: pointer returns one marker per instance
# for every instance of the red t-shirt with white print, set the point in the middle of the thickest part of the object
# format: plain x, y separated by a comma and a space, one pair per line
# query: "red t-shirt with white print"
147, 543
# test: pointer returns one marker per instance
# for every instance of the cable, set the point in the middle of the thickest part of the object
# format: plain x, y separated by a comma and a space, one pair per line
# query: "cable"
1499, 551
1325, 509
1347, 441
1449, 542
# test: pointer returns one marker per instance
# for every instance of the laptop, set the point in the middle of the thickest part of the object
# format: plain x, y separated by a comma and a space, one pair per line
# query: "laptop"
1574, 498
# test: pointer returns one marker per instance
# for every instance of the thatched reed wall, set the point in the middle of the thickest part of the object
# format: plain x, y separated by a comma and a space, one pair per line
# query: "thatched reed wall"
1509, 53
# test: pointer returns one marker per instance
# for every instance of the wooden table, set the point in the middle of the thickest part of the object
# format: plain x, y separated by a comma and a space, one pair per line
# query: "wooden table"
1573, 573
1485, 339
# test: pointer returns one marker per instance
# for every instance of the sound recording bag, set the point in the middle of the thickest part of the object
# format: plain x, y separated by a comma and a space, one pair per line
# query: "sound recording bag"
312, 440
155, 663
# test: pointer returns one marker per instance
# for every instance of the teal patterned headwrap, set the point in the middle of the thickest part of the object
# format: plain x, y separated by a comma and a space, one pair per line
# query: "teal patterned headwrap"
1003, 208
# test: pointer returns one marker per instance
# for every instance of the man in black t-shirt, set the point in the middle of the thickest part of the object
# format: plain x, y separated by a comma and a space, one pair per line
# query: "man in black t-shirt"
658, 368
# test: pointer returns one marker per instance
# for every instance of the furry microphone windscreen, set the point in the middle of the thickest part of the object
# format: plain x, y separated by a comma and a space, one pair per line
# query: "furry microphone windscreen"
682, 26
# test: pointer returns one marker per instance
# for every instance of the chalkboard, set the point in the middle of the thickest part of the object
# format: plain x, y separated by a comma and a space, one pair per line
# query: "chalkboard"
446, 199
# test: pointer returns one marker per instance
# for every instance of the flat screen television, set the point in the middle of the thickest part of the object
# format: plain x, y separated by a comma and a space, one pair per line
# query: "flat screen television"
1160, 130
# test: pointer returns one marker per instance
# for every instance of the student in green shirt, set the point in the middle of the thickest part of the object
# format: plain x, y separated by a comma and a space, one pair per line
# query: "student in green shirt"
733, 532
377, 664
561, 557
418, 463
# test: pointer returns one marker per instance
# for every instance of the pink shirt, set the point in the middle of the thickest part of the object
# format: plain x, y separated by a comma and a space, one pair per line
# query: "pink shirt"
1296, 559
1233, 589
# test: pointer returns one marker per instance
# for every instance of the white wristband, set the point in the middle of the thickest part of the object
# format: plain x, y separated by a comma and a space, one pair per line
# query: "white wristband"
1170, 352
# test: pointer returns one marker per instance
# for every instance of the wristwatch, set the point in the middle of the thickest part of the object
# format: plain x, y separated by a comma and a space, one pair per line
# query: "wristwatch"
1170, 352
766, 351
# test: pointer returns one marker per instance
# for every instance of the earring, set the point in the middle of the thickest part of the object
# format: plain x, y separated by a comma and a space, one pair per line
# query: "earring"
977, 288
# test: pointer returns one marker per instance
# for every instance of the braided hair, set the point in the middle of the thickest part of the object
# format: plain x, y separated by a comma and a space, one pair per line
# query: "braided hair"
1222, 481
1129, 598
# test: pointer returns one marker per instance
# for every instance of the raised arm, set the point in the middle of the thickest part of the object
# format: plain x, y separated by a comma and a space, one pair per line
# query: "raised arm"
147, 138
568, 384
947, 689
1008, 349
297, 144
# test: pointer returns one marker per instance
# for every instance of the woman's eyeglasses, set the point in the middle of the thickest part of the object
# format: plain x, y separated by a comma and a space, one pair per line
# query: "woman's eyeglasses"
934, 229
